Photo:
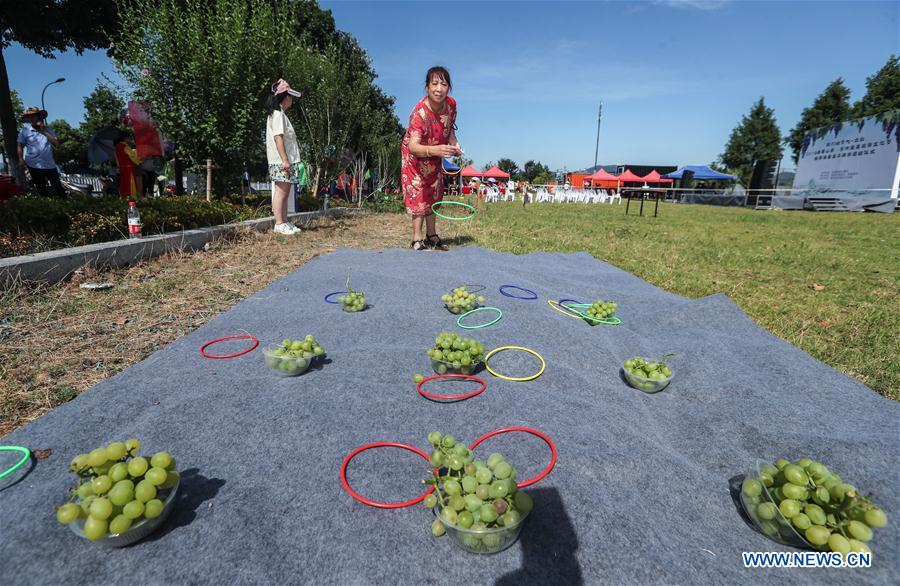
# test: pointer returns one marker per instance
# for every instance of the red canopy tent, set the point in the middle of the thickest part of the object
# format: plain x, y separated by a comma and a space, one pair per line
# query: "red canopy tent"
496, 173
629, 176
603, 179
654, 177
471, 171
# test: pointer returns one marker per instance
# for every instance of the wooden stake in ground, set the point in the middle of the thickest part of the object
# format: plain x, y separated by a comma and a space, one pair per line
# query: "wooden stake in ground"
209, 168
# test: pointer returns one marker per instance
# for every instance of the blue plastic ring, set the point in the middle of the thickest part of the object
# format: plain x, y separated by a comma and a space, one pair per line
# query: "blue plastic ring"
476, 310
502, 292
562, 302
335, 293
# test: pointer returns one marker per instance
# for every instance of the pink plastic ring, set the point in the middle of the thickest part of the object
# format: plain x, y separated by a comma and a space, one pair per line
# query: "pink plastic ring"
236, 354
433, 396
549, 467
372, 503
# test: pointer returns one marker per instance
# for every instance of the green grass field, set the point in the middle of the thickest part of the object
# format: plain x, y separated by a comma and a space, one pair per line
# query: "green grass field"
826, 282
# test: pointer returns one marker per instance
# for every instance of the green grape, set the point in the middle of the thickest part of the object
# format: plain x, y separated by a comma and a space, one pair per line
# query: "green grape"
138, 466
101, 509
801, 521
795, 475
789, 508
68, 513
448, 441
511, 518
766, 511
79, 463
793, 491
499, 489
122, 493
817, 535
488, 513
161, 460
484, 476
457, 503
120, 524
751, 487
455, 462
500, 506
875, 518
469, 484
470, 469
452, 487
839, 491
145, 491
430, 501
153, 508
101, 484
473, 503
172, 478
766, 479
118, 471
133, 510
804, 462
116, 451
838, 543
85, 490
858, 546
780, 463
493, 460
156, 476
436, 458
822, 495
483, 492
449, 515
860, 531
816, 468
523, 502
437, 528
97, 458
465, 519
502, 470
815, 513
417, 378
491, 540
94, 528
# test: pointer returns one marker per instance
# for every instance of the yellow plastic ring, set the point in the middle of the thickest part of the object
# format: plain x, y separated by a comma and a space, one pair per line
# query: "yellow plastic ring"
515, 379
556, 305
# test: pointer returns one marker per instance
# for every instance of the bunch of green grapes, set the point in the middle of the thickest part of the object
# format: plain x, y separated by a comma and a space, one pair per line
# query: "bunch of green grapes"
473, 494
452, 353
600, 310
294, 356
117, 489
460, 300
353, 301
810, 499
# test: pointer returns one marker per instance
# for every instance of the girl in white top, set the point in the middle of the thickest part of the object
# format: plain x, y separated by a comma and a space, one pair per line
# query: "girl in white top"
282, 152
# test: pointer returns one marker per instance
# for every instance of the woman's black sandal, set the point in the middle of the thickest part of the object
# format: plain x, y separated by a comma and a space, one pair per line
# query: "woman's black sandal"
435, 242
421, 243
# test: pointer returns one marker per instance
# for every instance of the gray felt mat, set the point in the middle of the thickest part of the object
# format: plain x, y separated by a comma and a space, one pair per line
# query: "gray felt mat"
640, 494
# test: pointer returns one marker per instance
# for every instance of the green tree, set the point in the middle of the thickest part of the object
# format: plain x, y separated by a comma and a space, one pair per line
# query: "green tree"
71, 154
205, 69
509, 166
46, 27
882, 91
832, 106
18, 107
101, 108
756, 138
532, 169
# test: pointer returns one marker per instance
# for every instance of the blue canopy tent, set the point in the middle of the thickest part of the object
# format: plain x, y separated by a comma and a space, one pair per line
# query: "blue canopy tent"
701, 172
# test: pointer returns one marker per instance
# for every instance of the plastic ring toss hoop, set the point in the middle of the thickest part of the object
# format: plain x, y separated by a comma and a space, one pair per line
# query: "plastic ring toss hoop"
610, 321
523, 289
515, 379
372, 503
236, 354
453, 203
476, 310
568, 312
543, 436
435, 397
330, 295
26, 455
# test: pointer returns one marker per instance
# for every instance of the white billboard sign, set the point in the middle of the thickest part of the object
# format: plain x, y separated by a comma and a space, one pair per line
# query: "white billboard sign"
857, 162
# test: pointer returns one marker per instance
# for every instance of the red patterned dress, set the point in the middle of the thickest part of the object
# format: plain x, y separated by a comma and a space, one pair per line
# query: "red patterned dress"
421, 178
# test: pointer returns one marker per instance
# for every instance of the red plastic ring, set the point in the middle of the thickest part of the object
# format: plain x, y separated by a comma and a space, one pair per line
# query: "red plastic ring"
236, 354
549, 467
372, 503
428, 395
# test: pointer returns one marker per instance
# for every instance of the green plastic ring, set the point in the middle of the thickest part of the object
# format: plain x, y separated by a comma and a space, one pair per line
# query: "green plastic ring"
454, 203
476, 310
26, 455
613, 321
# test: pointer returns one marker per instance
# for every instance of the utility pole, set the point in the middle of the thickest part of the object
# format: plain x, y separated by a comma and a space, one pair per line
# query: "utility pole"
597, 149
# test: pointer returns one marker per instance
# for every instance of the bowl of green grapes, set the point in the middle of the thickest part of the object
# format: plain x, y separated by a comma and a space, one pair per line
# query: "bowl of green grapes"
650, 376
293, 357
804, 504
453, 354
460, 301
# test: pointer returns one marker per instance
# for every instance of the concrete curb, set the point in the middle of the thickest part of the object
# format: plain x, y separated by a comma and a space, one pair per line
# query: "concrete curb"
55, 265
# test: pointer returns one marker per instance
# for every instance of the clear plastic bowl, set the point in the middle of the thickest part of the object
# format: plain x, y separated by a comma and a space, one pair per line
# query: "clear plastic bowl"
442, 367
648, 385
460, 312
483, 540
349, 310
778, 528
139, 530
286, 365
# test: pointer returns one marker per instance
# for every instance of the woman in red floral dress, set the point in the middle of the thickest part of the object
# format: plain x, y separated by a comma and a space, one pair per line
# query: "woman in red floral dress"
429, 138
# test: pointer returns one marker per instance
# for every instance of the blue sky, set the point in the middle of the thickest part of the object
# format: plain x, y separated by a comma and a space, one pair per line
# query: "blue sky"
674, 76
